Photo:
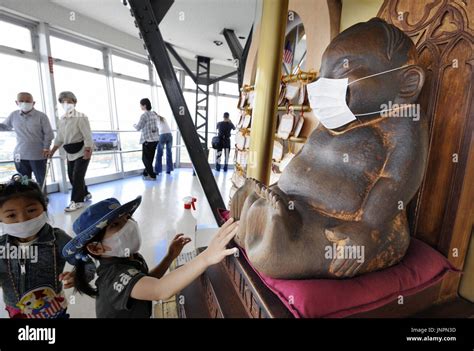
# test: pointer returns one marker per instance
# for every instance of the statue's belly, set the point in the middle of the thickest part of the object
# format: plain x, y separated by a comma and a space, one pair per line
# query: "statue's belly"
334, 173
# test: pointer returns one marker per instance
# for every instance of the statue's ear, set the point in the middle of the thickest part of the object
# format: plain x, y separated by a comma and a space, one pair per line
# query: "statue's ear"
412, 79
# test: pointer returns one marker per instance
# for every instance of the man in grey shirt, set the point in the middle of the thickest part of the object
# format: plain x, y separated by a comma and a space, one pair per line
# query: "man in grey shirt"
33, 135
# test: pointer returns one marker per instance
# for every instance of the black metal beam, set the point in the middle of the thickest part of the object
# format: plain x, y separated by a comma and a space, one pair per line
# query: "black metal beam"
144, 13
238, 53
180, 61
234, 44
212, 81
243, 60
202, 99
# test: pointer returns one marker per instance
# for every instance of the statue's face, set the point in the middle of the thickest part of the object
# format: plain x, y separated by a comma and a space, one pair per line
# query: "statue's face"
356, 55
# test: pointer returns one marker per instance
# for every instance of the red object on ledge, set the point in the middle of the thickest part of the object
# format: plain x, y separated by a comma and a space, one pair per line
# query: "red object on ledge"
421, 268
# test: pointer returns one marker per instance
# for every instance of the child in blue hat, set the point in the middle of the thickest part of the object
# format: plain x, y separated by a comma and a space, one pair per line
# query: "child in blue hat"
125, 286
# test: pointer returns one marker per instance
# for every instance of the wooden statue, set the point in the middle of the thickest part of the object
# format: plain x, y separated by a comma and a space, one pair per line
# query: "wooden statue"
339, 208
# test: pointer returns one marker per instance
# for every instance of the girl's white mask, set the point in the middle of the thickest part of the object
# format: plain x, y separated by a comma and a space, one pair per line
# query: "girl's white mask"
25, 229
327, 98
125, 242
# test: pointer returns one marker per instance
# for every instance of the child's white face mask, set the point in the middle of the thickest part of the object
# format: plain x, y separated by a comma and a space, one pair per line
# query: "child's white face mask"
125, 242
327, 98
25, 229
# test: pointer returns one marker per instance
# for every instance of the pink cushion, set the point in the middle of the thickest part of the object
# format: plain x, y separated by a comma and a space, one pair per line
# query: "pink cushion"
421, 267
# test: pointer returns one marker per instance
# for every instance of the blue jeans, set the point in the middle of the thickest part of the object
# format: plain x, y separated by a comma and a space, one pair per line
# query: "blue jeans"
165, 140
38, 167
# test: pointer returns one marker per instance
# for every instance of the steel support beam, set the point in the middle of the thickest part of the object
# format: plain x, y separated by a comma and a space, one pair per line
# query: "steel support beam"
234, 44
238, 53
212, 81
145, 13
180, 61
202, 99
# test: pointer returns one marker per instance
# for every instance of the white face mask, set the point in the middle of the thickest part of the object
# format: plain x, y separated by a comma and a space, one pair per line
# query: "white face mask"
26, 229
67, 107
125, 242
25, 106
327, 98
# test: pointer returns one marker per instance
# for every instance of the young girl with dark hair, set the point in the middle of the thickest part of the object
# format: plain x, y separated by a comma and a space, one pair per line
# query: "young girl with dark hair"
31, 264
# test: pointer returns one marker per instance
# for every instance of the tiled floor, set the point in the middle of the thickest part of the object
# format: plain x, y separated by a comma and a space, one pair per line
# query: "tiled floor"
161, 207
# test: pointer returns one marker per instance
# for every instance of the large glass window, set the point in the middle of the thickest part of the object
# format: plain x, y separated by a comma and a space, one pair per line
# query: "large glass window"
228, 104
128, 95
132, 161
228, 88
18, 74
101, 165
69, 51
91, 92
18, 37
189, 83
131, 68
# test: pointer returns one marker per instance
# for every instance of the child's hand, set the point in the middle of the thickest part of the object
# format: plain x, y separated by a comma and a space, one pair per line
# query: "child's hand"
177, 245
216, 251
68, 279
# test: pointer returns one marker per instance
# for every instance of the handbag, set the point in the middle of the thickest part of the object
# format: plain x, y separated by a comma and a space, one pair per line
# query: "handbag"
74, 148
216, 142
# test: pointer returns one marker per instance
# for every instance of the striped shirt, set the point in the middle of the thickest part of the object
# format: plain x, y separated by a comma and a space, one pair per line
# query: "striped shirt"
148, 125
33, 133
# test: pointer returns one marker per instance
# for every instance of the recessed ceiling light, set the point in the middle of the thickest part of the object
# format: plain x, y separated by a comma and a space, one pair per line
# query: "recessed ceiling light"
230, 60
241, 37
218, 42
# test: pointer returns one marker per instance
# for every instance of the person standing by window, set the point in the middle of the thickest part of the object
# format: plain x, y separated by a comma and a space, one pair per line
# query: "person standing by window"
166, 139
224, 128
75, 136
148, 125
33, 135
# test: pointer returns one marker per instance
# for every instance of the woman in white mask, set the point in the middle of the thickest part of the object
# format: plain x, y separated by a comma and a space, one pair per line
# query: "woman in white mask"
75, 136
31, 264
125, 287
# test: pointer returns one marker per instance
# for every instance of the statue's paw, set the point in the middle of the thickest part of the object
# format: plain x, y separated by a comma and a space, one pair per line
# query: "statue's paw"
271, 197
347, 258
344, 267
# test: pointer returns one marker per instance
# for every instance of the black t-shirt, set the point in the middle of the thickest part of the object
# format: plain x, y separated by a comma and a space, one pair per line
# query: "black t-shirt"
116, 279
224, 130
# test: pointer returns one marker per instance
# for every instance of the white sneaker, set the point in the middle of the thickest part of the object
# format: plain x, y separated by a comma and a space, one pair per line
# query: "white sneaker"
148, 178
74, 206
88, 197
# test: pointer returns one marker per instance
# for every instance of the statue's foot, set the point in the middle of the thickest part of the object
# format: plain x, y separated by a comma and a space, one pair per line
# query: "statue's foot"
347, 256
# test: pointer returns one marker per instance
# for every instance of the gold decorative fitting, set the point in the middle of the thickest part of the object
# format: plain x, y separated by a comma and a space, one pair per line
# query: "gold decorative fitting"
304, 108
307, 77
247, 88
301, 76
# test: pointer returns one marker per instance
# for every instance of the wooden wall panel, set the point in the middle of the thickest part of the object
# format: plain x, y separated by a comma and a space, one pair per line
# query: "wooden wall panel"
443, 33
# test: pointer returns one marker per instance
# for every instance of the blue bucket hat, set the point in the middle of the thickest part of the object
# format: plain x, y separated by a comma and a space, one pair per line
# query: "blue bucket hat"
91, 222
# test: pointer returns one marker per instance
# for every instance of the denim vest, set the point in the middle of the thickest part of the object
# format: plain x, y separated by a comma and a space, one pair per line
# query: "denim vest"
36, 271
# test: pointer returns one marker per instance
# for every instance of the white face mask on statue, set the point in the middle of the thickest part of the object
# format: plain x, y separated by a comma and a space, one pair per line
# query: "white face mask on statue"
25, 229
125, 242
327, 98
67, 107
25, 106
